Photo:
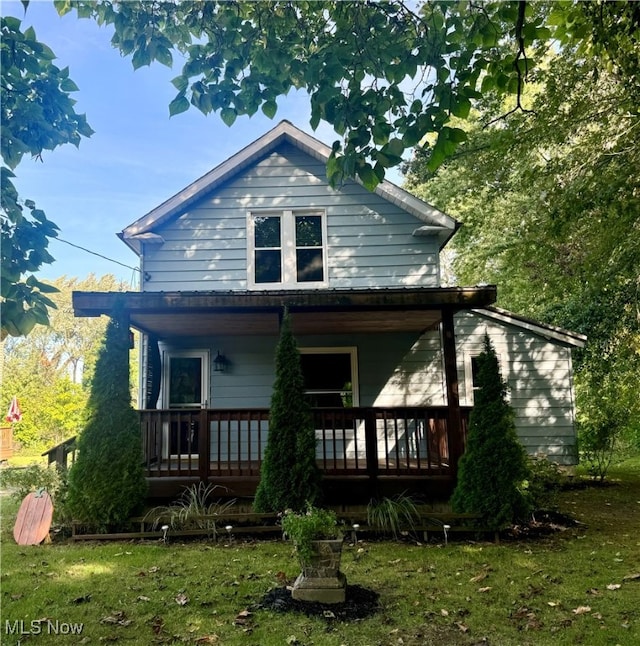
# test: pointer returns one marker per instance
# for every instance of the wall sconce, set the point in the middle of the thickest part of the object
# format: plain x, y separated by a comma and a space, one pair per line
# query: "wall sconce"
220, 363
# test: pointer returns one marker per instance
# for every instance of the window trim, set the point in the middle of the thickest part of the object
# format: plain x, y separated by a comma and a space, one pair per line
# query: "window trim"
288, 248
469, 388
352, 351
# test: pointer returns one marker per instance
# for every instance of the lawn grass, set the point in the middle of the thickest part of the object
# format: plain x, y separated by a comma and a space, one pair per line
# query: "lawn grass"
573, 587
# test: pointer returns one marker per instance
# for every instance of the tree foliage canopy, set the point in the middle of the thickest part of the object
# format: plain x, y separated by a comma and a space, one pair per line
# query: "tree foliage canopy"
384, 75
550, 203
51, 369
37, 114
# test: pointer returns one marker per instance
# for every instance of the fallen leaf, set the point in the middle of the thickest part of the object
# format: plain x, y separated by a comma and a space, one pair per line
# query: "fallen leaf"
581, 610
153, 569
553, 604
208, 639
143, 598
444, 613
182, 599
480, 577
462, 627
118, 618
614, 586
486, 589
632, 577
328, 614
292, 640
594, 591
157, 624
242, 618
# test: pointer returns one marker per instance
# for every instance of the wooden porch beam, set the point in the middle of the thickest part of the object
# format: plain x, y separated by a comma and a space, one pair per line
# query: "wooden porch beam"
454, 417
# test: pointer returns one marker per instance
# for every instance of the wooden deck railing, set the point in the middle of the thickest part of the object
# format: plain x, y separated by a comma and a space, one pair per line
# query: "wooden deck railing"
400, 441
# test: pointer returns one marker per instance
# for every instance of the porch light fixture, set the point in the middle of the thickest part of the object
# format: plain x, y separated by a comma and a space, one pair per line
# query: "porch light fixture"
220, 363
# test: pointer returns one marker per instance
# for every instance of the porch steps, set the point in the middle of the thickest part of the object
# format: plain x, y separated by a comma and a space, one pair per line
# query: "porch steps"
431, 524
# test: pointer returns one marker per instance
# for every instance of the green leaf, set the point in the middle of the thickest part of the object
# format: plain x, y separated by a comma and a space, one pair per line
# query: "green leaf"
178, 105
228, 116
269, 108
368, 177
181, 83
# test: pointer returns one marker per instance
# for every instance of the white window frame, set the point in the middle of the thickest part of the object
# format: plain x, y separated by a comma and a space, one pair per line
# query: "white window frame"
287, 248
469, 388
352, 351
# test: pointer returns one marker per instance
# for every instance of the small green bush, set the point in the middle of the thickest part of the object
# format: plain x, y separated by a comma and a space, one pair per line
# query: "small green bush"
24, 480
195, 509
313, 524
21, 481
544, 483
393, 515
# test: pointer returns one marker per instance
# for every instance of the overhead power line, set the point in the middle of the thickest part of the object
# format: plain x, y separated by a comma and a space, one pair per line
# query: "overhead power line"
95, 253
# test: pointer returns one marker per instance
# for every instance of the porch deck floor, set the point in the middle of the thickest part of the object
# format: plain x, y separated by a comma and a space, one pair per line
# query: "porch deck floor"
251, 468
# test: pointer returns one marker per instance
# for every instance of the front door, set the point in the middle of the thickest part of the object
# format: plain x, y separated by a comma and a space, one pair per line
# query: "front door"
186, 387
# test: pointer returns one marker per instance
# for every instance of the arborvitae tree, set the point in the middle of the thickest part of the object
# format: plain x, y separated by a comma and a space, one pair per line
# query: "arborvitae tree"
494, 465
289, 476
106, 483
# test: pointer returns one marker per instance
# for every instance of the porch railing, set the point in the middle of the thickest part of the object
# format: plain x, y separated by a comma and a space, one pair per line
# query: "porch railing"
350, 441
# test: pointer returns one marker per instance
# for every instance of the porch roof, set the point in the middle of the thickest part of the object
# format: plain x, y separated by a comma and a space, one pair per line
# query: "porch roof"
168, 314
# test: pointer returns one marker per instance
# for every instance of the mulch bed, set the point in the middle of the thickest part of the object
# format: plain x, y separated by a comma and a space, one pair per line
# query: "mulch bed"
359, 604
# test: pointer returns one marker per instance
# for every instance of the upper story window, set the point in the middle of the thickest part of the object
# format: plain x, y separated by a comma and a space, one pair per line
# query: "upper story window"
287, 249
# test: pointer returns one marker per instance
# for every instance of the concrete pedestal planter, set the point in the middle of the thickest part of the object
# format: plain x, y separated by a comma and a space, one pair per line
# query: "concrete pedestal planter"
318, 543
321, 579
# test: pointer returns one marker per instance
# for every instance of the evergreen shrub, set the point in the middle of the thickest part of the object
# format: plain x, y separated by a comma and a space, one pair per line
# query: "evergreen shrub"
494, 466
106, 482
289, 475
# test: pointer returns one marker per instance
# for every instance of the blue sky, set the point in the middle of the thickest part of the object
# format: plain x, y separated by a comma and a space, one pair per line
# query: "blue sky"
138, 156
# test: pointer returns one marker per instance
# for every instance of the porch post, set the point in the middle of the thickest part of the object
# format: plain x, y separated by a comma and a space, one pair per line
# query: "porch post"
371, 447
204, 445
454, 418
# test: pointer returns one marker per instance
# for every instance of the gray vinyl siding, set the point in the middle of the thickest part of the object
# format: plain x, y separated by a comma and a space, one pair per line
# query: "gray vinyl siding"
405, 369
370, 241
538, 373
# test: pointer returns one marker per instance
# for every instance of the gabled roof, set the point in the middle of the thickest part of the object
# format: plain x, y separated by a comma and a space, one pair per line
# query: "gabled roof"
436, 222
550, 332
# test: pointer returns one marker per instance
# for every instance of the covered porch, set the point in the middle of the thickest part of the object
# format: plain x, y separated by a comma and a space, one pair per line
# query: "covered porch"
362, 452
364, 449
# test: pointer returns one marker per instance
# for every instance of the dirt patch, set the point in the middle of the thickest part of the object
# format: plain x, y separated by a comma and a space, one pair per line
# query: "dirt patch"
543, 524
359, 604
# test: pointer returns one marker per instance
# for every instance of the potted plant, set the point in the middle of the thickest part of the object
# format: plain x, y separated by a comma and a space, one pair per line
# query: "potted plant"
318, 542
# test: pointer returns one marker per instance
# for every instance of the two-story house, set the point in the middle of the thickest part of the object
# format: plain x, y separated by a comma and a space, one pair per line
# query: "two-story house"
387, 353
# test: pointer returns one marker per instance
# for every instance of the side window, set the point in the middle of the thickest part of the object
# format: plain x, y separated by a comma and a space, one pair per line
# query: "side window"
474, 373
472, 369
287, 249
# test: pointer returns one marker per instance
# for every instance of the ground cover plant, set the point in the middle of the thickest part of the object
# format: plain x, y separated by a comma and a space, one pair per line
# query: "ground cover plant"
578, 586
